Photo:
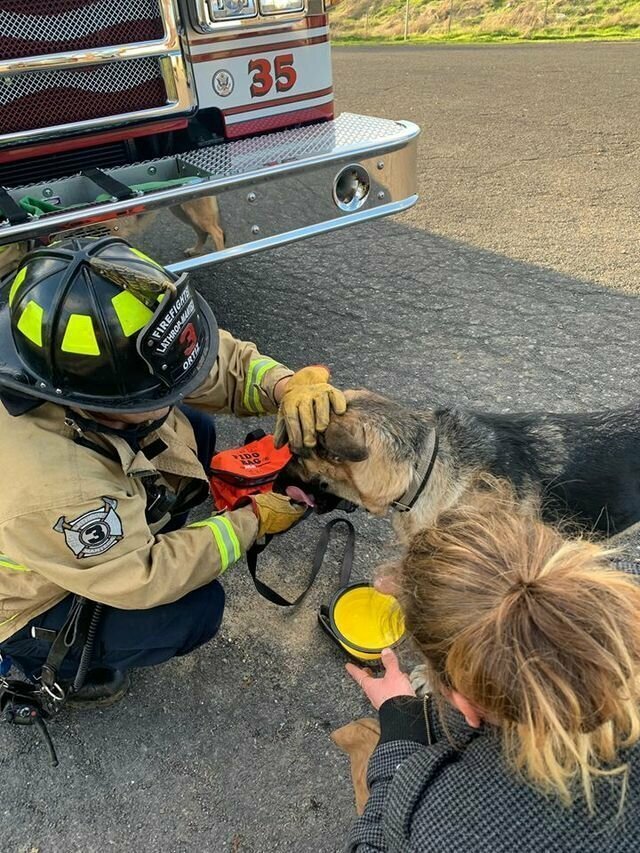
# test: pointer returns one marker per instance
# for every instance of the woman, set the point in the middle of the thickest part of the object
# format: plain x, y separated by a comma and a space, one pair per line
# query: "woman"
531, 738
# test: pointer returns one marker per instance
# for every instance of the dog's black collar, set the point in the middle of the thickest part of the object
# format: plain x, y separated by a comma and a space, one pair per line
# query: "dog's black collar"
422, 476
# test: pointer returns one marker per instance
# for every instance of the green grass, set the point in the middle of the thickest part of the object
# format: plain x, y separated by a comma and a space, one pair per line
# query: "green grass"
490, 38
485, 21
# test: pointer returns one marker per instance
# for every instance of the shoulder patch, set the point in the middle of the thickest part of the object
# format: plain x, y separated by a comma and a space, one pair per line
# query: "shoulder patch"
93, 532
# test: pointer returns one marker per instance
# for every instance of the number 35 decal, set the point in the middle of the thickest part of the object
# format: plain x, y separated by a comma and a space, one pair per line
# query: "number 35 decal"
263, 74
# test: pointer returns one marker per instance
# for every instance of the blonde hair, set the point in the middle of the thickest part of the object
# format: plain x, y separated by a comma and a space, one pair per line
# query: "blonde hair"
534, 629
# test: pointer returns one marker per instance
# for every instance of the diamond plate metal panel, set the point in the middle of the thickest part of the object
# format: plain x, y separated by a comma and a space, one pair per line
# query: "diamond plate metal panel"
346, 132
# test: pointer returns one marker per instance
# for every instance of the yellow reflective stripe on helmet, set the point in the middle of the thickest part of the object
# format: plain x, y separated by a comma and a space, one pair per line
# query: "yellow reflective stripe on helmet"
226, 538
20, 277
30, 322
7, 563
132, 314
79, 336
257, 369
146, 258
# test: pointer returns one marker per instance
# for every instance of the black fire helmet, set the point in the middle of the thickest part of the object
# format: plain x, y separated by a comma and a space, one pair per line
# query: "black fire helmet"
96, 324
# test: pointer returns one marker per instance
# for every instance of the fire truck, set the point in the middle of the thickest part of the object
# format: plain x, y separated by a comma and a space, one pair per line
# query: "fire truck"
214, 116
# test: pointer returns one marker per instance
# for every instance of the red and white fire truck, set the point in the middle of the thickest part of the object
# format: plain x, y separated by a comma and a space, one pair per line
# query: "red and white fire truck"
215, 113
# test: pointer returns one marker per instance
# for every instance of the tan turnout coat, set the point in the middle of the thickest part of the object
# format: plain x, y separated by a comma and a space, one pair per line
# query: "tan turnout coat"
72, 520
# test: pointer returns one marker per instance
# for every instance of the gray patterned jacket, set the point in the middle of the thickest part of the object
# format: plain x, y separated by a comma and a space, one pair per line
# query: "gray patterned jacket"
441, 798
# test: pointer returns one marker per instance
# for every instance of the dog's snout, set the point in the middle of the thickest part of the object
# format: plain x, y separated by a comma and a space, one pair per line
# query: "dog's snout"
323, 486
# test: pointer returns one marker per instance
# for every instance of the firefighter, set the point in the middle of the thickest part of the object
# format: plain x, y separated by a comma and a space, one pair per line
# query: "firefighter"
110, 370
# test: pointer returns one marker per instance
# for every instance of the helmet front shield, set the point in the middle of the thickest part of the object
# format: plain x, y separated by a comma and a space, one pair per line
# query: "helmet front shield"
172, 342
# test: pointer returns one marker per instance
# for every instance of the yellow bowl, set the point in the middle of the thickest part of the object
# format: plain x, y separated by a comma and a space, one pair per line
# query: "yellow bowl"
364, 621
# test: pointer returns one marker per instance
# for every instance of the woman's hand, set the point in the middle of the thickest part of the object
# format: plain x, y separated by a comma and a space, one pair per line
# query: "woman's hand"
393, 683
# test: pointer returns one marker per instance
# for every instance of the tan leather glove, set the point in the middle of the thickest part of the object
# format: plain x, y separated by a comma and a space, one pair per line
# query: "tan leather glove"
276, 513
305, 408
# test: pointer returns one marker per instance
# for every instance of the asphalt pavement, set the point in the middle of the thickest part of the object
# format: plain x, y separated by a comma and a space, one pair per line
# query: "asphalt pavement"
528, 150
228, 749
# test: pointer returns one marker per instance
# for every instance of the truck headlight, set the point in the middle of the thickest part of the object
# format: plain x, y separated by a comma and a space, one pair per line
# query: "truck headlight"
223, 10
278, 7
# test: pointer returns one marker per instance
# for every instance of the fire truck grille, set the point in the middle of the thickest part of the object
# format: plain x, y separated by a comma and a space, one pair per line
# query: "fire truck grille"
41, 99
38, 27
47, 168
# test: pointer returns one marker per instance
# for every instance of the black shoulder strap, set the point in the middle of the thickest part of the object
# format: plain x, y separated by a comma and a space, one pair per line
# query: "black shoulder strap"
108, 184
318, 559
93, 445
10, 210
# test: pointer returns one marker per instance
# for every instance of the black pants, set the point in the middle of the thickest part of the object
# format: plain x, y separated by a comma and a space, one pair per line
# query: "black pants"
133, 638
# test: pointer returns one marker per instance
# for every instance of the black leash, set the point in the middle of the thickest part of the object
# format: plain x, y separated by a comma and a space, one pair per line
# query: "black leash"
318, 559
346, 566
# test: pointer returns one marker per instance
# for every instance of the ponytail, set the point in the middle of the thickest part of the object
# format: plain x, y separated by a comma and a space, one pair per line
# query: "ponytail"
535, 630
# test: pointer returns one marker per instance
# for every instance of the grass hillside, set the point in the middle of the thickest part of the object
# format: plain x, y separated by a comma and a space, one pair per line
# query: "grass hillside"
486, 20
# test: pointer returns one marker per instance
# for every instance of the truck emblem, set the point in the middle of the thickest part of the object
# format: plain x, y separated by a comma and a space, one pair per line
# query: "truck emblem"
93, 532
222, 83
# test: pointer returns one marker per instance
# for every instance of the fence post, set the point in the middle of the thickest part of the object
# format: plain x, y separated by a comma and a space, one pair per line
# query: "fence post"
546, 10
406, 20
366, 24
450, 16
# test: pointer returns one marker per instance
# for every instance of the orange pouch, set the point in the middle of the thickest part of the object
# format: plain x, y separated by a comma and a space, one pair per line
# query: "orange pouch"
252, 469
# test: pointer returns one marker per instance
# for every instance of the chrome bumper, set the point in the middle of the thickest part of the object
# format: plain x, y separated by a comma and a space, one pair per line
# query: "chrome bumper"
241, 197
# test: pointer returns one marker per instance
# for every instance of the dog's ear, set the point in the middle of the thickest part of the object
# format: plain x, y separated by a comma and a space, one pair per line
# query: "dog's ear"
345, 441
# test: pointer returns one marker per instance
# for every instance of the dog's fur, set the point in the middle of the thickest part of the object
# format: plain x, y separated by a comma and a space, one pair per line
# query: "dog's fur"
583, 467
358, 739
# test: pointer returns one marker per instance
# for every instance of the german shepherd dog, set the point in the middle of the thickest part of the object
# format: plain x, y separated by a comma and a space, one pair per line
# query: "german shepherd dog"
581, 468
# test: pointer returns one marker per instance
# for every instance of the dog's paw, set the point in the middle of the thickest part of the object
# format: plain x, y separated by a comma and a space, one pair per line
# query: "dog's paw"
419, 678
386, 578
193, 252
